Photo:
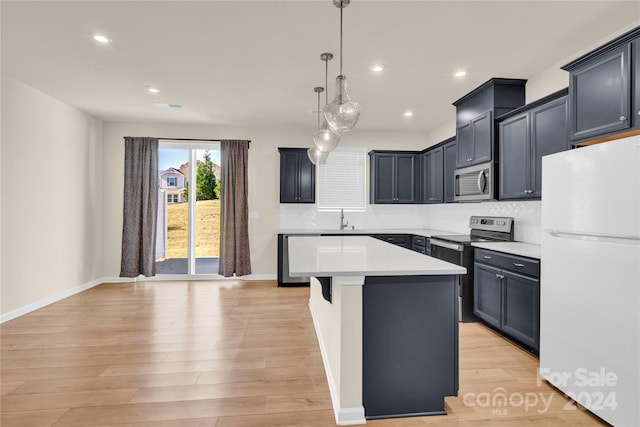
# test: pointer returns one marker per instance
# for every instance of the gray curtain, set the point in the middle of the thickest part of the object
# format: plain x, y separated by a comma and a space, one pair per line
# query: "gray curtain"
140, 207
234, 221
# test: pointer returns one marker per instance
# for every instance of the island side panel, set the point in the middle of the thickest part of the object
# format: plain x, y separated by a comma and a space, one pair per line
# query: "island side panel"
410, 345
339, 330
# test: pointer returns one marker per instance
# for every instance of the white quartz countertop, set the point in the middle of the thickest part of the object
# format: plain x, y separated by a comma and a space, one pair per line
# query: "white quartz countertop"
360, 256
530, 250
426, 232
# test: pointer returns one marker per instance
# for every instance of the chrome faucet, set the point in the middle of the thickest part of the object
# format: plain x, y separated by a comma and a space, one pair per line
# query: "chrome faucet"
343, 224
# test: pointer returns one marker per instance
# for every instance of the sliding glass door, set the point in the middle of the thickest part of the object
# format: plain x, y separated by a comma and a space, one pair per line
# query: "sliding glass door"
188, 232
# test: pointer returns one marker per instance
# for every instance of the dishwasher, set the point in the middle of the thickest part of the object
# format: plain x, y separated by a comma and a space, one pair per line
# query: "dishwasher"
283, 262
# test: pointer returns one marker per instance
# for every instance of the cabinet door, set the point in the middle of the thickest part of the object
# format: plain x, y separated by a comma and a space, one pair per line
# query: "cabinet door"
600, 95
288, 177
449, 167
515, 163
432, 164
487, 293
521, 308
549, 134
306, 179
406, 178
464, 137
636, 82
384, 178
482, 138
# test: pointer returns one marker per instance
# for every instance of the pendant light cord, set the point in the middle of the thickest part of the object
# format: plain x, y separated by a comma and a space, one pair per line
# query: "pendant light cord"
341, 9
326, 81
318, 111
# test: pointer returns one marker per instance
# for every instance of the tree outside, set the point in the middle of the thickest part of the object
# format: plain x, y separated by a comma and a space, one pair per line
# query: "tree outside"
207, 185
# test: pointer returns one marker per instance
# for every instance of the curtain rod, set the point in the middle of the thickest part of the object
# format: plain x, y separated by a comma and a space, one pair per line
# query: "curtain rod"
193, 139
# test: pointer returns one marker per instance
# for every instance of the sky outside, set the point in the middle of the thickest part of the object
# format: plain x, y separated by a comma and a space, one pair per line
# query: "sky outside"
173, 158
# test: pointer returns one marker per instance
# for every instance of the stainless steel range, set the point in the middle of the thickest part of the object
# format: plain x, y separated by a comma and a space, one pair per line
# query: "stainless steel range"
457, 249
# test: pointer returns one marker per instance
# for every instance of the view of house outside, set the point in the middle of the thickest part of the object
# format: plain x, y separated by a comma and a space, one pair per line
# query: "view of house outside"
175, 190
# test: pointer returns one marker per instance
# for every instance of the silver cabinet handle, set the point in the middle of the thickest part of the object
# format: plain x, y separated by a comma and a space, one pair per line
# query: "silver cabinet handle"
499, 276
516, 264
622, 118
486, 257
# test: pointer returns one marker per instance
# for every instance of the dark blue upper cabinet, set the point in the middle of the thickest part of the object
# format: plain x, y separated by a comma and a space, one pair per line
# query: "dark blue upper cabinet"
635, 49
515, 157
549, 134
600, 96
393, 177
475, 113
432, 175
525, 136
603, 89
297, 176
449, 168
475, 140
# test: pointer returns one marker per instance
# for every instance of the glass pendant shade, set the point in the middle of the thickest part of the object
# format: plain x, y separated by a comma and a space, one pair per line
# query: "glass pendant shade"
325, 138
317, 157
342, 113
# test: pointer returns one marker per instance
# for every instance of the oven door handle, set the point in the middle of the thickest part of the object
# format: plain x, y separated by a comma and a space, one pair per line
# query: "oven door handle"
447, 245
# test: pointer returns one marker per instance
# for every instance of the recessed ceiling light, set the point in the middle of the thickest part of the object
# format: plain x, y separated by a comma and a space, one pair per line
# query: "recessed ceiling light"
101, 38
408, 113
153, 89
460, 73
377, 68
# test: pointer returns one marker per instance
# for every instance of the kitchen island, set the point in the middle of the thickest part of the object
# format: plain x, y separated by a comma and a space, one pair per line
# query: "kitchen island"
386, 319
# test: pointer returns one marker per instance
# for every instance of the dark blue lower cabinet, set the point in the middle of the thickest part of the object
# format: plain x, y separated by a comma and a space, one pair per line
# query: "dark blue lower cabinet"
410, 345
507, 295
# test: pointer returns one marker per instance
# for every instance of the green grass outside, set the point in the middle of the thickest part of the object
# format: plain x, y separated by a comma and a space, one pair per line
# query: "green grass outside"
207, 229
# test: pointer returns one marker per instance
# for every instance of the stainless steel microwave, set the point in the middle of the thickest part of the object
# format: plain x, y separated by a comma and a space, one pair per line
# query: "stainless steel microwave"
474, 183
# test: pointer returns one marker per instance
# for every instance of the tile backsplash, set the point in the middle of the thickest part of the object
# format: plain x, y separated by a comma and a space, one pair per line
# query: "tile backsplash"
453, 217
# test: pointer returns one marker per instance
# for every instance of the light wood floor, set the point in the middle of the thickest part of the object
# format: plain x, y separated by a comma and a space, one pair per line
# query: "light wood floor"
223, 354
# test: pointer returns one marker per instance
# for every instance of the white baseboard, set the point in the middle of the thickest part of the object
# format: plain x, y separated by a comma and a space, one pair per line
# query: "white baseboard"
350, 416
60, 296
344, 416
192, 277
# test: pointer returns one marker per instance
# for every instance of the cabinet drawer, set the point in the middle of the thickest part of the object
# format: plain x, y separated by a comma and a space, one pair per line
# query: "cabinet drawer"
522, 265
419, 241
419, 249
396, 239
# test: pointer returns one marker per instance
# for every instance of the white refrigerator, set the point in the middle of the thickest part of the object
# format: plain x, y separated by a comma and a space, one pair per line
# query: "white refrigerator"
590, 277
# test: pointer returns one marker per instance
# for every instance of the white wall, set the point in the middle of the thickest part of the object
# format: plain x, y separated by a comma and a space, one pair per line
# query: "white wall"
264, 177
52, 211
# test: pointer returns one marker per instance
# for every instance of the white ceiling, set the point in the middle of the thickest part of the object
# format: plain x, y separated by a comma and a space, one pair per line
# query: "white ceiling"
255, 63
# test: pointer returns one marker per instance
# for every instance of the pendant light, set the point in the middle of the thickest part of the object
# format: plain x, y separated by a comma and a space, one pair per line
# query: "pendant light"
343, 113
326, 139
317, 156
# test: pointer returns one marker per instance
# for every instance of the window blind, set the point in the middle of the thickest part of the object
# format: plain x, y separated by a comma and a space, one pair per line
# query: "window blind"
342, 180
